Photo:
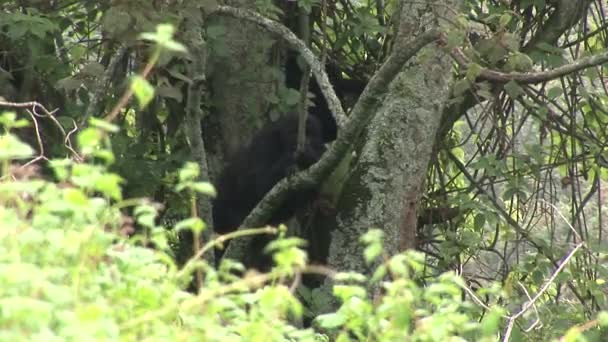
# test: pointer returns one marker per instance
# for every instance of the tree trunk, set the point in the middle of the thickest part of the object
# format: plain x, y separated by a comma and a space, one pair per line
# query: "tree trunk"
238, 64
387, 180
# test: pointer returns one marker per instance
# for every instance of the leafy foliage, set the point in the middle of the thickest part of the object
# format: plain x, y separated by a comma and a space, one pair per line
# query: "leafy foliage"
69, 272
525, 170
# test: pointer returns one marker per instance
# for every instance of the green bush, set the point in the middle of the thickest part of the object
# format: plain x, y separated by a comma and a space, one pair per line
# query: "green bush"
69, 273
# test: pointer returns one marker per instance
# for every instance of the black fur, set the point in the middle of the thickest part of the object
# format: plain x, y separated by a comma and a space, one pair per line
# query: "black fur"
253, 172
255, 169
319, 108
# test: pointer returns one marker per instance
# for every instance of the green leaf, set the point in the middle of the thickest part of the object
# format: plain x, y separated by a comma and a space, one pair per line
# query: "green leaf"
16, 31
9, 120
204, 188
549, 48
12, 148
146, 215
164, 38
479, 221
93, 69
513, 89
372, 252
60, 168
555, 92
189, 172
331, 321
473, 71
193, 224
109, 184
504, 20
143, 90
76, 197
77, 52
89, 138
69, 83
116, 21
291, 97
519, 62
175, 46
461, 86
104, 125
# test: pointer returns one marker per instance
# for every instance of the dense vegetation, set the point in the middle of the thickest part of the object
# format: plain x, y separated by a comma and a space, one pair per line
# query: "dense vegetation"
70, 273
118, 115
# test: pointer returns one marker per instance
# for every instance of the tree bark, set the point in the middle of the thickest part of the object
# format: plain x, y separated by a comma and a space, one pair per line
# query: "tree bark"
239, 66
387, 181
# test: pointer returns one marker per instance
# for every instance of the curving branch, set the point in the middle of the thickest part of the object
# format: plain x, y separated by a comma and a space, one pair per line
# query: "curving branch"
567, 13
362, 113
36, 109
295, 43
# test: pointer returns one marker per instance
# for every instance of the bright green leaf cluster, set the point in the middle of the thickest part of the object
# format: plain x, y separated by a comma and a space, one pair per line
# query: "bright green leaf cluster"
69, 273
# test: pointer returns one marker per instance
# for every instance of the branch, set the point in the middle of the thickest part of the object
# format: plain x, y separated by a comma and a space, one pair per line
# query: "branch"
304, 28
531, 77
126, 96
566, 14
542, 290
362, 113
549, 33
437, 215
296, 44
34, 108
194, 114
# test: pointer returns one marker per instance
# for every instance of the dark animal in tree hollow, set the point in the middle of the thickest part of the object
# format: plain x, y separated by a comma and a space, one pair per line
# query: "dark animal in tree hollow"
255, 169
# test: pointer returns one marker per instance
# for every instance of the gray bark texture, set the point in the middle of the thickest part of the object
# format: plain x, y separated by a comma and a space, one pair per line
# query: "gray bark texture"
387, 180
194, 115
242, 68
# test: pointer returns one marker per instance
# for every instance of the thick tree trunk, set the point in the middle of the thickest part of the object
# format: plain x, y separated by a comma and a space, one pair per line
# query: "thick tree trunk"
387, 180
238, 64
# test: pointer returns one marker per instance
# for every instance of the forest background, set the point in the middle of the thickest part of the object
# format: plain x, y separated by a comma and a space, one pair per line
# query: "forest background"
472, 132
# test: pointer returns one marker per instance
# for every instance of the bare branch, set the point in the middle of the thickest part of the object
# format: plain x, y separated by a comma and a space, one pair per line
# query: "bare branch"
531, 77
34, 110
542, 290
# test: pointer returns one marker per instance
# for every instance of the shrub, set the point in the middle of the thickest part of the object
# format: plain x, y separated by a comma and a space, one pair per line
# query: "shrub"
69, 272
